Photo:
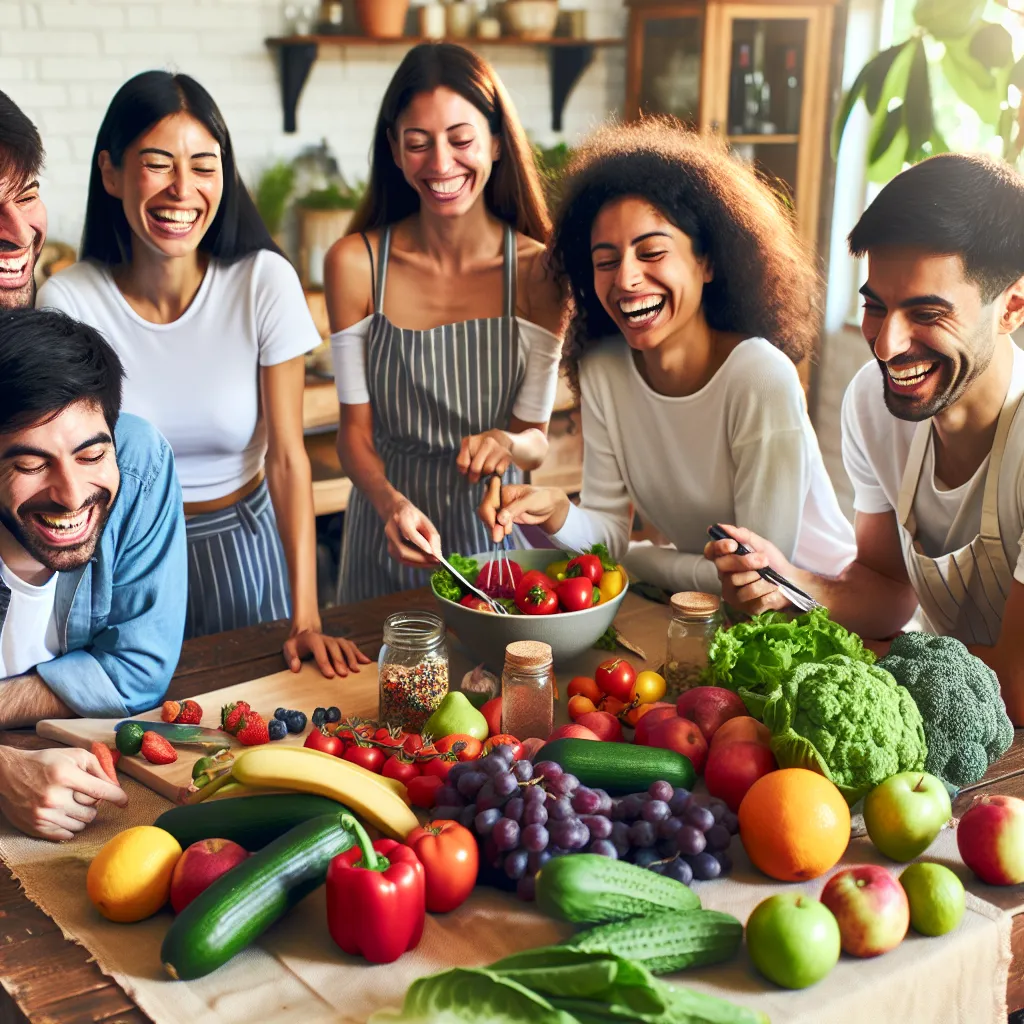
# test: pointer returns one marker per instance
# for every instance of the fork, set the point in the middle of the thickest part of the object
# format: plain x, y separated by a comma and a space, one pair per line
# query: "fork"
491, 603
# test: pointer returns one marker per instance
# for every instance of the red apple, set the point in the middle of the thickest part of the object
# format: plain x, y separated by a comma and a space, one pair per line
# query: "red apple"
649, 719
682, 736
871, 908
573, 732
990, 837
200, 866
743, 729
602, 724
732, 768
709, 707
492, 714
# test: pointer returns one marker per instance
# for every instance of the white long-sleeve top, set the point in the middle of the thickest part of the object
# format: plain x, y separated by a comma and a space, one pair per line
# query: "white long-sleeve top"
741, 450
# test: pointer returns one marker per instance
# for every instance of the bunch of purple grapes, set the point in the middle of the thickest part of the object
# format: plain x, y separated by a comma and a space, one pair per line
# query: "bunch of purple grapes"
525, 814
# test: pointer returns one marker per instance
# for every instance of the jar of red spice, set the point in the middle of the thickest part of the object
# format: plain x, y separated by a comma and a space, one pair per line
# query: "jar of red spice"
412, 669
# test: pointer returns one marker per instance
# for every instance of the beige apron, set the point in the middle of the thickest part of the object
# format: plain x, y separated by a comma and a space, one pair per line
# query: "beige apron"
963, 593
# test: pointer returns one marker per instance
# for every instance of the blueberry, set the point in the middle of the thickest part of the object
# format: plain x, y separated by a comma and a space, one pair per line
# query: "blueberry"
319, 716
296, 721
333, 714
280, 713
277, 729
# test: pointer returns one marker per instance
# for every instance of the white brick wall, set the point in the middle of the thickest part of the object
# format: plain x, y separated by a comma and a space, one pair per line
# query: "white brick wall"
62, 60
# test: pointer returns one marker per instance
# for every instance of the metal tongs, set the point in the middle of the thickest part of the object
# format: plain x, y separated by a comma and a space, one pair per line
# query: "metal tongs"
800, 599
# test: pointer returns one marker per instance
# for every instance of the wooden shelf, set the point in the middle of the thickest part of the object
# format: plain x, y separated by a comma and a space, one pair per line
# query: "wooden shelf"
319, 404
568, 59
762, 140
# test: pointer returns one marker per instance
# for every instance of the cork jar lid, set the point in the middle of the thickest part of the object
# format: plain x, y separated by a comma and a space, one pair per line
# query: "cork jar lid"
528, 654
695, 604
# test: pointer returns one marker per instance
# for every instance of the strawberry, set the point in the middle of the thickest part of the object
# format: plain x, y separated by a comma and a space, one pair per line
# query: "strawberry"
230, 715
169, 711
252, 730
103, 754
156, 750
190, 713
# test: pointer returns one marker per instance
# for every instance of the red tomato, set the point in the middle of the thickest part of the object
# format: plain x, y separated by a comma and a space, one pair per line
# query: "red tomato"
576, 594
397, 768
505, 740
470, 750
499, 578
318, 740
450, 859
588, 566
438, 767
585, 686
616, 678
478, 604
423, 789
534, 578
371, 758
386, 738
537, 600
412, 742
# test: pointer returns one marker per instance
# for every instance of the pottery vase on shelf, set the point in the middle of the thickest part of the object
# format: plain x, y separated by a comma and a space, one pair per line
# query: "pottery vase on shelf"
383, 19
459, 19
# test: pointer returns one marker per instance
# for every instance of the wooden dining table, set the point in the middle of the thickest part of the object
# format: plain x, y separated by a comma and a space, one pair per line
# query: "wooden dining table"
47, 979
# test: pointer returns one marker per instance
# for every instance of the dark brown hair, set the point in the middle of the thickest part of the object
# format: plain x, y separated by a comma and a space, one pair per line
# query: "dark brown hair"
513, 193
21, 149
765, 283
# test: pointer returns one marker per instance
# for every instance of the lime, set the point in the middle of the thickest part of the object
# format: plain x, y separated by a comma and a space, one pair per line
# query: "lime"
129, 738
936, 898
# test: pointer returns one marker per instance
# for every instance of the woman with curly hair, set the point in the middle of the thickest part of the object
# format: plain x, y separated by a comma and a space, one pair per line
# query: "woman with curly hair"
693, 299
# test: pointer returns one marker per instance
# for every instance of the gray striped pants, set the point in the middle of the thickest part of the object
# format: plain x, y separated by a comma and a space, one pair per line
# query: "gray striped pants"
237, 574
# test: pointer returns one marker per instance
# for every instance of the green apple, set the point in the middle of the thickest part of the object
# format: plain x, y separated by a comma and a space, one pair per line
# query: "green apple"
936, 896
793, 939
905, 813
455, 714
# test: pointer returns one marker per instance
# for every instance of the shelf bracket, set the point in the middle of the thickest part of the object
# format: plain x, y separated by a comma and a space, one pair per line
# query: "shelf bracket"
295, 61
567, 66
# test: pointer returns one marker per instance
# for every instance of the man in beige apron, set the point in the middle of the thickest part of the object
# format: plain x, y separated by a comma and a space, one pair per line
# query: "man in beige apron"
933, 432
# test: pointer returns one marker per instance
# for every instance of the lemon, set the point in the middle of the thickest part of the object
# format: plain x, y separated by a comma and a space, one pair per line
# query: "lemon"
936, 898
130, 878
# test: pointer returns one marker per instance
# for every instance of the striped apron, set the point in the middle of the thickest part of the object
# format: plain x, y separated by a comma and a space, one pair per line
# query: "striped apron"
962, 594
237, 574
429, 390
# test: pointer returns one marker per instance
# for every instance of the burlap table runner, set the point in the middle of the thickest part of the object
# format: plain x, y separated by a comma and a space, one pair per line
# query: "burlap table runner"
297, 974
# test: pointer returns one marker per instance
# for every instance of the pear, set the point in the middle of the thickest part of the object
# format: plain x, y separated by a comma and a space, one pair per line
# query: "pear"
455, 714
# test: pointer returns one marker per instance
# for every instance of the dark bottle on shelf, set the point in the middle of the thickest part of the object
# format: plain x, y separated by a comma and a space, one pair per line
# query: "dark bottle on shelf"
751, 93
737, 96
794, 93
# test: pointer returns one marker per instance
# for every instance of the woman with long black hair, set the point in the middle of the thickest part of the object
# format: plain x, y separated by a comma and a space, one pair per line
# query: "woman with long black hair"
446, 323
181, 276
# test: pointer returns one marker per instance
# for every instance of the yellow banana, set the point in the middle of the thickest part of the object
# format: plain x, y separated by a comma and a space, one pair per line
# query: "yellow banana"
310, 771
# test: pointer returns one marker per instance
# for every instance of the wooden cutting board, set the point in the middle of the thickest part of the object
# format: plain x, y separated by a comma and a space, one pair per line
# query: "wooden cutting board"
355, 695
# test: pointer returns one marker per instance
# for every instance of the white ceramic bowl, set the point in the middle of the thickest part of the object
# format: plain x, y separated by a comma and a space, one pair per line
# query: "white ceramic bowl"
486, 635
531, 19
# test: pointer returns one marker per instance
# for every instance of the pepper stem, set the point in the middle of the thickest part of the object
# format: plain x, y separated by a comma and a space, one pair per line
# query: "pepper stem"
370, 858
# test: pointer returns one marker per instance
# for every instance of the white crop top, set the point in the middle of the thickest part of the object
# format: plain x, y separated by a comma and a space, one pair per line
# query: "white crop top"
197, 379
536, 396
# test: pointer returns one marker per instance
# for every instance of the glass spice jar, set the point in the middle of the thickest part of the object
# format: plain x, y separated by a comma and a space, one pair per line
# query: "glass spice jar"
527, 690
695, 619
412, 669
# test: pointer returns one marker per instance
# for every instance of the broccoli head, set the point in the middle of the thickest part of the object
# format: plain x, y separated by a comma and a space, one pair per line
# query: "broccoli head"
848, 721
965, 721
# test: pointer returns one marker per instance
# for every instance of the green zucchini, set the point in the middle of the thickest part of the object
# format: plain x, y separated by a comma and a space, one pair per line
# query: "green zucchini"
666, 942
619, 767
588, 889
250, 821
243, 903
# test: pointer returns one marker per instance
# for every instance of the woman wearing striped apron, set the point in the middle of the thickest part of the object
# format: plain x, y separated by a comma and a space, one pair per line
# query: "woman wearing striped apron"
212, 327
446, 325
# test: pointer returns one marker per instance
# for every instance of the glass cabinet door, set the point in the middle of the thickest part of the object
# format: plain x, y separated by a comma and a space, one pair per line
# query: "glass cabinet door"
665, 62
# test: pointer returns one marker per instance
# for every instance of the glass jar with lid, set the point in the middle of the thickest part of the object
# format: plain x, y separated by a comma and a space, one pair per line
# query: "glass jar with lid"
695, 619
527, 690
412, 669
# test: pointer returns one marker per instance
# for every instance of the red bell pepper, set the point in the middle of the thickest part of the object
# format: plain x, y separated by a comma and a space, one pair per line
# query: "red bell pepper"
376, 898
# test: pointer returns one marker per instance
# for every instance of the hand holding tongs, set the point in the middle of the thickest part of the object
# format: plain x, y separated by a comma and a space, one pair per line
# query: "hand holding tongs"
800, 599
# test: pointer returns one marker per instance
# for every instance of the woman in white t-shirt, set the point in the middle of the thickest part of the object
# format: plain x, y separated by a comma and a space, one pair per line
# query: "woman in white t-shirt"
182, 278
692, 299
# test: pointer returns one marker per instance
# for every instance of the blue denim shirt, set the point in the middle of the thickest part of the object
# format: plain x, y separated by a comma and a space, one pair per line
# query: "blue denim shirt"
121, 617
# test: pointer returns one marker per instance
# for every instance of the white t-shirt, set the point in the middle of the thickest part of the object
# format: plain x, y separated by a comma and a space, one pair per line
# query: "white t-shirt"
536, 396
876, 445
29, 634
741, 450
197, 379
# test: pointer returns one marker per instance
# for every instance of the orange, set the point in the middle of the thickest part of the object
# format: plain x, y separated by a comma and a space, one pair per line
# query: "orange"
741, 729
794, 824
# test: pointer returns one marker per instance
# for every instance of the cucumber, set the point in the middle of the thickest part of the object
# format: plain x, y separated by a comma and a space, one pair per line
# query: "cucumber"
250, 821
588, 889
619, 767
666, 942
243, 903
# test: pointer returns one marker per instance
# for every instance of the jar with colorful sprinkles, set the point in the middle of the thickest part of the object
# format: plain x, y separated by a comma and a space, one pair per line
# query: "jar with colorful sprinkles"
412, 669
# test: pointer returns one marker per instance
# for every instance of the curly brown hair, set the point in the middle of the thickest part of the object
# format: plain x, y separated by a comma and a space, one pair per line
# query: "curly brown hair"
765, 281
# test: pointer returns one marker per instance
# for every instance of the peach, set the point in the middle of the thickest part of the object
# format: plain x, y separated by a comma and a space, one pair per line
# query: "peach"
742, 730
604, 725
580, 705
710, 707
200, 866
732, 768
573, 732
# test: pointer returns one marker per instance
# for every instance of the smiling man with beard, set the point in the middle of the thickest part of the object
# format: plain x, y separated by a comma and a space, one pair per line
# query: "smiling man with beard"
933, 433
92, 561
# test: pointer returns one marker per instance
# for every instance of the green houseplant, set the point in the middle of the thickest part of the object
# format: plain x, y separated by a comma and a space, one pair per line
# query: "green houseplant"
273, 190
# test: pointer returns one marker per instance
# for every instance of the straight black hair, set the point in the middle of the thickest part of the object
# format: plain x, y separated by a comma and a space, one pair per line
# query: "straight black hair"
49, 361
956, 204
21, 148
140, 103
